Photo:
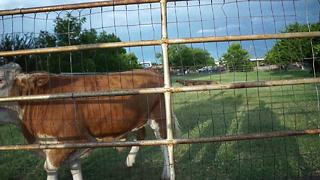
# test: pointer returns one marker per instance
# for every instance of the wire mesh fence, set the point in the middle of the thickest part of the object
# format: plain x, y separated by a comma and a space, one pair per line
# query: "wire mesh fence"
243, 81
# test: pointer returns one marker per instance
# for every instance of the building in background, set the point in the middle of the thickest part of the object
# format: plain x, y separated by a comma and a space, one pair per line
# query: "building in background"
146, 64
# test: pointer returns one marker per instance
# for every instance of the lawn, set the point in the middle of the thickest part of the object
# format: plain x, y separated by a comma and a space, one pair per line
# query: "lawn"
205, 114
242, 111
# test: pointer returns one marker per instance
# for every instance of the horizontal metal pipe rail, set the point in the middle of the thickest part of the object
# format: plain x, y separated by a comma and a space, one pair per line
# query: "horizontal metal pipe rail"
73, 6
237, 85
242, 137
73, 48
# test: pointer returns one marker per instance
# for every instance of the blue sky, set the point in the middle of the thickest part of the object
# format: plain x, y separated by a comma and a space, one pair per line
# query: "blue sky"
185, 19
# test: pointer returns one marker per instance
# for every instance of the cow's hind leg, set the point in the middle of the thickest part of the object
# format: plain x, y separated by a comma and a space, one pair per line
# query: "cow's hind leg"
166, 169
131, 158
75, 169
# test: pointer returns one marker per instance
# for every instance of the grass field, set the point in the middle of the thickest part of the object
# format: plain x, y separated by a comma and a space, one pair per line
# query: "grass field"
205, 114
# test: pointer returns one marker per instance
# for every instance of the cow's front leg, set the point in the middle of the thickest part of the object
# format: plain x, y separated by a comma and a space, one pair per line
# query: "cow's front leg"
75, 168
131, 158
52, 171
54, 158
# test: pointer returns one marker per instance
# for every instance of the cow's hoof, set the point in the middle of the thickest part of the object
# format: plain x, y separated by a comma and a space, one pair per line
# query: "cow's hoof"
130, 162
165, 177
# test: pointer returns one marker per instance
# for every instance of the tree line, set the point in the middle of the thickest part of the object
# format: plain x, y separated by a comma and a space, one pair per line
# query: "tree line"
69, 31
286, 51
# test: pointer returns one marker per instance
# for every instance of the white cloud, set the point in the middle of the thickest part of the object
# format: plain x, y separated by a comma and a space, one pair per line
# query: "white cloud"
219, 29
205, 31
6, 4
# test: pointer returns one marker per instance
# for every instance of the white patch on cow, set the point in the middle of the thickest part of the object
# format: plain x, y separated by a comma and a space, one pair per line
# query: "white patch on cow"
22, 76
52, 171
75, 169
156, 130
131, 158
20, 112
46, 139
155, 127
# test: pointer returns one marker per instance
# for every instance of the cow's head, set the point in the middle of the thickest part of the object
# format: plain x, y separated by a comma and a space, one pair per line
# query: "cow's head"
8, 73
9, 112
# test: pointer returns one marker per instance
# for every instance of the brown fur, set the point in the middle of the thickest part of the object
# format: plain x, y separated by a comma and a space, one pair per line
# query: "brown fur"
82, 119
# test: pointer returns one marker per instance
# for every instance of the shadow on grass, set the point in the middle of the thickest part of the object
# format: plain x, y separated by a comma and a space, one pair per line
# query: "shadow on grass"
290, 74
277, 158
268, 159
107, 163
204, 118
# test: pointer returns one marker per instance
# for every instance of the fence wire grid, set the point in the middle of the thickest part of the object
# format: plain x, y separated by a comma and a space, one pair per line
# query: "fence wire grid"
242, 79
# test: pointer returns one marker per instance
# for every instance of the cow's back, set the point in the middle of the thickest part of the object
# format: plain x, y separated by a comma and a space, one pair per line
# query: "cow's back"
70, 119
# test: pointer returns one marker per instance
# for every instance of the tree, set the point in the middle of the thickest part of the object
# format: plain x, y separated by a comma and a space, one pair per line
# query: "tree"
288, 51
68, 31
184, 57
45, 40
17, 42
317, 49
100, 60
237, 59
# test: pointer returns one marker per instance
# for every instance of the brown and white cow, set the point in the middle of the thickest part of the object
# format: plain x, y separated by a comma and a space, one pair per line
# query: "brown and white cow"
82, 119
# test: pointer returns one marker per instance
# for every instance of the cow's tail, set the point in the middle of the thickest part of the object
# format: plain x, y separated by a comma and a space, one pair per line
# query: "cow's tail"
177, 130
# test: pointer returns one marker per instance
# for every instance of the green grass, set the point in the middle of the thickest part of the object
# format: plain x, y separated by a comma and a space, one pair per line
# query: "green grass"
242, 111
205, 114
246, 76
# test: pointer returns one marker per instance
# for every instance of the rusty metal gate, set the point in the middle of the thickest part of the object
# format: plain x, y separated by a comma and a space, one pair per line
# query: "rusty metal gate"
168, 90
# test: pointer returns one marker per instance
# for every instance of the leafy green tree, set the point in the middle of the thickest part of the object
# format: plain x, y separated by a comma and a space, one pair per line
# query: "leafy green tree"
12, 42
184, 57
100, 60
237, 59
287, 51
88, 36
317, 49
45, 39
68, 31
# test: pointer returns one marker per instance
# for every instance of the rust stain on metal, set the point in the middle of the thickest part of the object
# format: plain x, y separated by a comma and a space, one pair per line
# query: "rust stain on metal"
73, 6
163, 90
155, 42
241, 137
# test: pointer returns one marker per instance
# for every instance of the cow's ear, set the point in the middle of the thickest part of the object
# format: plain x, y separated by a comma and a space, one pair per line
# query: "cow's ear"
41, 79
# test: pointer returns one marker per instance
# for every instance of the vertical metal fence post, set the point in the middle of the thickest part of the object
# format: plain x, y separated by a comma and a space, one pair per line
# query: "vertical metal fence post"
167, 84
